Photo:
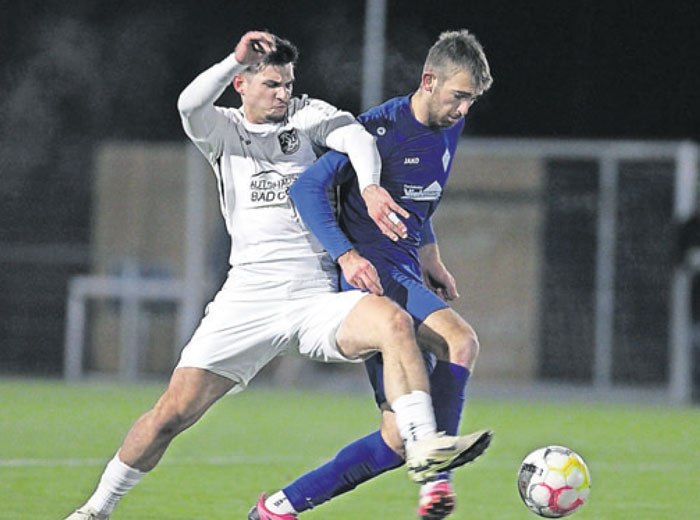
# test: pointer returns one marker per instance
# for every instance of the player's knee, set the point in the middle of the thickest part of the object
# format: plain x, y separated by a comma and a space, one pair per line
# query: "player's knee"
168, 423
170, 418
398, 325
464, 347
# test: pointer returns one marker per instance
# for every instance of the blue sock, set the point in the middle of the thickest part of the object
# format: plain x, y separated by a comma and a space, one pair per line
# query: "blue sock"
357, 462
448, 384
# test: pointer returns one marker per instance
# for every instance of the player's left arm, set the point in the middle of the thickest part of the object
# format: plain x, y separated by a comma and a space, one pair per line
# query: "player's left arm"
435, 274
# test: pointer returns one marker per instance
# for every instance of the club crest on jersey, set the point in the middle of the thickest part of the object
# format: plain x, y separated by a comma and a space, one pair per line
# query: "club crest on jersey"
289, 141
414, 192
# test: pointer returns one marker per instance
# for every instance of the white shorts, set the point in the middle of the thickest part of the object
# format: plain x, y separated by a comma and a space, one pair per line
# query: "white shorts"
242, 331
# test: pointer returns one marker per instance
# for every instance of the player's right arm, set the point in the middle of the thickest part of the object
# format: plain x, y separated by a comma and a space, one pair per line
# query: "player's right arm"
196, 102
435, 275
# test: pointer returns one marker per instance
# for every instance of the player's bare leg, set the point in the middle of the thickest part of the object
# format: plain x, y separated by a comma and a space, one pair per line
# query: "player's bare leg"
376, 323
190, 393
382, 324
450, 338
456, 347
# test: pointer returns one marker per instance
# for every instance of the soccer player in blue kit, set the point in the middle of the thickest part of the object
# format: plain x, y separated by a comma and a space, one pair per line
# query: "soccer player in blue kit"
417, 136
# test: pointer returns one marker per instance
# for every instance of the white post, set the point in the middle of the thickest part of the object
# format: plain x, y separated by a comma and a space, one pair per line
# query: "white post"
74, 335
605, 273
195, 274
681, 323
130, 322
373, 54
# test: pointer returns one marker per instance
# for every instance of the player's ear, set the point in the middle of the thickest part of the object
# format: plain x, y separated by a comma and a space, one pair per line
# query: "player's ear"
239, 83
428, 80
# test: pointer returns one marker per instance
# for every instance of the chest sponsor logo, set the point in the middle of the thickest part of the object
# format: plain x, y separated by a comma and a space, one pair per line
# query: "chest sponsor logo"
415, 192
411, 160
289, 141
270, 187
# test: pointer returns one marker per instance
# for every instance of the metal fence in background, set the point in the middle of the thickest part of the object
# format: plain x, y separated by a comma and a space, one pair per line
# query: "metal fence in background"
566, 254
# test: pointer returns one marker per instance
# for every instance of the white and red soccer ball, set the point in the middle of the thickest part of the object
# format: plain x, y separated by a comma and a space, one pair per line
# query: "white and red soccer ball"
554, 481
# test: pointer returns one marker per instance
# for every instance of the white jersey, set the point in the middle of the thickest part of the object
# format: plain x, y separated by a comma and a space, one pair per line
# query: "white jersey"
254, 166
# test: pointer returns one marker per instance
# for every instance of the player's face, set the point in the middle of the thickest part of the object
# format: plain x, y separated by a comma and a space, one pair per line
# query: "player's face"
450, 100
266, 94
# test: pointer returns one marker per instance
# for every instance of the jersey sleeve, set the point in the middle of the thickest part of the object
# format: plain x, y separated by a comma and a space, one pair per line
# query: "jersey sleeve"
317, 119
204, 123
338, 130
310, 196
376, 122
361, 149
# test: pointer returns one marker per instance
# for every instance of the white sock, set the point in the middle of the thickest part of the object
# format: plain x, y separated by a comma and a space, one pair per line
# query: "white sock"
117, 479
279, 504
415, 417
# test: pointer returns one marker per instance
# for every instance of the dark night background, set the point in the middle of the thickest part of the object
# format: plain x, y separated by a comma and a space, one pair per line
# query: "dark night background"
113, 69
78, 72
74, 73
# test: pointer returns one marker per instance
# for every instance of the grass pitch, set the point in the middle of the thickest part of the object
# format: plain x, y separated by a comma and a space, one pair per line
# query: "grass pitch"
57, 437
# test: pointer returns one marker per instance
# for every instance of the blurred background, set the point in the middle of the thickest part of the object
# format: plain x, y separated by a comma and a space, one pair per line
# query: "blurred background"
568, 223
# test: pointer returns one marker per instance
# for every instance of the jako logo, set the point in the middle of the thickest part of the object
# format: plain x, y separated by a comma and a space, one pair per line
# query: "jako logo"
411, 160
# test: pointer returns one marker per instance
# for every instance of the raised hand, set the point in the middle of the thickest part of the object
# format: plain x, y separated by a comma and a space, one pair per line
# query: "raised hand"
253, 47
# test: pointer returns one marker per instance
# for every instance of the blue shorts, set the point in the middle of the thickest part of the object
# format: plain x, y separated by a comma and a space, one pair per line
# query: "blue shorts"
419, 302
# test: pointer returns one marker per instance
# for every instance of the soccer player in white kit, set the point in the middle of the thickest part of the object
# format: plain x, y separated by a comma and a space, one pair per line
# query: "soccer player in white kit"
281, 291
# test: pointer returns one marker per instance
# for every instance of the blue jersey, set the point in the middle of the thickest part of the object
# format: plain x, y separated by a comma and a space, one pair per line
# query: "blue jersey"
416, 162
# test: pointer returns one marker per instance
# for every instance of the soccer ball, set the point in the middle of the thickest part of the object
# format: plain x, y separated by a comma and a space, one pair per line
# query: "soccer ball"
554, 481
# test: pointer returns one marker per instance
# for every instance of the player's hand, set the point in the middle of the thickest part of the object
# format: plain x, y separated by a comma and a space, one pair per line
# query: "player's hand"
435, 275
253, 47
385, 212
441, 282
359, 272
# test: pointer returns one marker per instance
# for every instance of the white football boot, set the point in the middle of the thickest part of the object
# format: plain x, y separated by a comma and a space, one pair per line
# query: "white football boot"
436, 453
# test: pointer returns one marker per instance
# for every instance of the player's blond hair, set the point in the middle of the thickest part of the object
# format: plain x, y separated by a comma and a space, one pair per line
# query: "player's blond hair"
455, 50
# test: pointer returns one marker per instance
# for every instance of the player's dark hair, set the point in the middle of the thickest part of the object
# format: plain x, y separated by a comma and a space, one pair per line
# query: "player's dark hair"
460, 49
285, 52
